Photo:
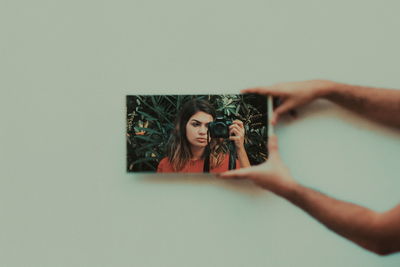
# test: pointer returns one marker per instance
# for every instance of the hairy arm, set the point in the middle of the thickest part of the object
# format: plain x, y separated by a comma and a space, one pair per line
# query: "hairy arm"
382, 105
377, 232
379, 104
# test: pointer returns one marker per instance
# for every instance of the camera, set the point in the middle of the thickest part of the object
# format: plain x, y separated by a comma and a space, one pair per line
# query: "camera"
219, 128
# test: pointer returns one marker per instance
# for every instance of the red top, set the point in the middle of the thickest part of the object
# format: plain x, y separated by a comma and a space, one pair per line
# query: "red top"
195, 166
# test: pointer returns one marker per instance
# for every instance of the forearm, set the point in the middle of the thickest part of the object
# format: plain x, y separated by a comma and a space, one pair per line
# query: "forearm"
243, 158
382, 105
351, 221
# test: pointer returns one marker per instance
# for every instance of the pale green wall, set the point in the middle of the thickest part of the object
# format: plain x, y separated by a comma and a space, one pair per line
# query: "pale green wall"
66, 66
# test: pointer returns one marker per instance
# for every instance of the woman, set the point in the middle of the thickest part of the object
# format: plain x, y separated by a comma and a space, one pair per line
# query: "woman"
186, 149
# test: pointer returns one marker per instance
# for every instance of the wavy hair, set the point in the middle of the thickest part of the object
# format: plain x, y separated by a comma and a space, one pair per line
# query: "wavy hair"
178, 147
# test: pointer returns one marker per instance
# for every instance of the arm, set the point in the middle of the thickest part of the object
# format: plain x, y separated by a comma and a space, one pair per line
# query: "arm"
237, 132
375, 103
382, 105
243, 159
377, 232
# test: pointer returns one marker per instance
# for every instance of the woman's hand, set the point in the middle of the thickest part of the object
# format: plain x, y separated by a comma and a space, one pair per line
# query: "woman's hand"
237, 132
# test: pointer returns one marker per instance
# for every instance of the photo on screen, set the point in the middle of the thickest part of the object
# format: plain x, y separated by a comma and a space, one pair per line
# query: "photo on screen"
195, 133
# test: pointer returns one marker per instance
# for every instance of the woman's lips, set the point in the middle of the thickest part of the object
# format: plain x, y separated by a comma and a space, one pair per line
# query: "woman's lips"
201, 140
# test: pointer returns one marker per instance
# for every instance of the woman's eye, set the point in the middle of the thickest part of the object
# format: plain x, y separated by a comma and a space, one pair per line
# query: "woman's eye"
195, 124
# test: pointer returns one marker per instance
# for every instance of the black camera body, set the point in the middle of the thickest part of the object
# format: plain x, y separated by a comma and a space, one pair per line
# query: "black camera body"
219, 128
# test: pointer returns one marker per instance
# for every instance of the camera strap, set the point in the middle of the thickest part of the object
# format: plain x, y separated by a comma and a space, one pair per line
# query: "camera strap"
207, 151
232, 156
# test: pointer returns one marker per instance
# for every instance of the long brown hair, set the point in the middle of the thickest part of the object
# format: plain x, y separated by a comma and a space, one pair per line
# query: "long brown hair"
178, 147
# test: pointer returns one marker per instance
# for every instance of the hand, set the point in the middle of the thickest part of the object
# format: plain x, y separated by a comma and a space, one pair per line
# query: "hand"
272, 174
237, 132
293, 94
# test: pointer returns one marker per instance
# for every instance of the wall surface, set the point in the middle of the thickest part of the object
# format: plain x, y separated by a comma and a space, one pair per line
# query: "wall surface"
66, 66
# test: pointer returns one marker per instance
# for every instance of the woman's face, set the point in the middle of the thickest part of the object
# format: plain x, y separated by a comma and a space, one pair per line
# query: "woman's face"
197, 127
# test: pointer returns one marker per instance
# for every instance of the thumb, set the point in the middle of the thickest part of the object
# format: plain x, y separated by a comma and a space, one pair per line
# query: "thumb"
240, 173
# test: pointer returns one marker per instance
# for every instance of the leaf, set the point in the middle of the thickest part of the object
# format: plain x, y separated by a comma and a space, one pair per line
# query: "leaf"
157, 111
237, 109
170, 101
147, 116
149, 130
145, 138
143, 160
153, 100
144, 147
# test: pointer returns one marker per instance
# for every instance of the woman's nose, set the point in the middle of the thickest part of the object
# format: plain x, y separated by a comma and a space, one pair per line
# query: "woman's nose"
203, 130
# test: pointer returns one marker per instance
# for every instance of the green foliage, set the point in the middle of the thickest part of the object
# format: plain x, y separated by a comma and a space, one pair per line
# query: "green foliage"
150, 122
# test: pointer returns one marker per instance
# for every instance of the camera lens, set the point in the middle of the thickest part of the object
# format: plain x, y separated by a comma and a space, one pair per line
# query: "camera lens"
219, 129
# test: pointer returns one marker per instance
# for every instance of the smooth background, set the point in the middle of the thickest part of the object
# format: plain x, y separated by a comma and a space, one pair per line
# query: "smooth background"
66, 66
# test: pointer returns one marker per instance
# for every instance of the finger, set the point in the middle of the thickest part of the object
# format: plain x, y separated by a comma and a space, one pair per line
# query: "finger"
282, 109
234, 138
273, 144
241, 173
293, 113
238, 122
236, 132
235, 126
